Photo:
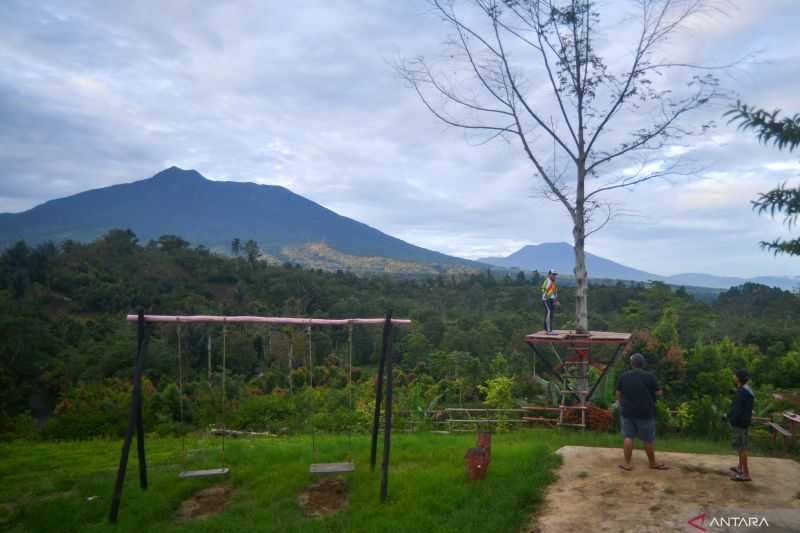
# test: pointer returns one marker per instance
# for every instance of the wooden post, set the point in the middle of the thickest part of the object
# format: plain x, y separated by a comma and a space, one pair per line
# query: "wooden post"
137, 384
387, 430
376, 420
134, 422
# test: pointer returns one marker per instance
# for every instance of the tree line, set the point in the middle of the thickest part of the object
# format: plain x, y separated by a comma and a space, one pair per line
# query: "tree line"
67, 353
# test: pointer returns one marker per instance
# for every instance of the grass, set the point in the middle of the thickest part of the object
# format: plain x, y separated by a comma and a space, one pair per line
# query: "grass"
46, 486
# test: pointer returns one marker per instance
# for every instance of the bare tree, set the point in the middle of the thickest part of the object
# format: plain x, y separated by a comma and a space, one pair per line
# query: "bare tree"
511, 63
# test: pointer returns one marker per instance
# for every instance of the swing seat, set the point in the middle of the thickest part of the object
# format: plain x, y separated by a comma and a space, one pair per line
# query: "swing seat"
191, 474
331, 468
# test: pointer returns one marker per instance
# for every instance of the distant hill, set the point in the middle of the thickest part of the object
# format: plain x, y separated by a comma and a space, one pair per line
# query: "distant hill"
212, 213
560, 256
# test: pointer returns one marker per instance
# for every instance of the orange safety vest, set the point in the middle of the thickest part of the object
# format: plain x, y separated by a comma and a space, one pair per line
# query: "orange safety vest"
549, 289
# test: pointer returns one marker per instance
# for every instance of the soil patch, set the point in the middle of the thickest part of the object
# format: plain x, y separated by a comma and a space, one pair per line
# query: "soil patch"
205, 503
593, 492
325, 498
6, 512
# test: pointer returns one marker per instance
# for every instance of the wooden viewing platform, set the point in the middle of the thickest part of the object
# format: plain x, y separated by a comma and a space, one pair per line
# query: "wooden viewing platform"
568, 336
573, 371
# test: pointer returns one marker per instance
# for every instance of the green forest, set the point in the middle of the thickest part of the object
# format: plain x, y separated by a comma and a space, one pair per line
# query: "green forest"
68, 353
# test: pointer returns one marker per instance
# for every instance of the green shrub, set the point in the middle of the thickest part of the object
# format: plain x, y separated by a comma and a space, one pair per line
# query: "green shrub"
271, 412
682, 417
498, 393
705, 417
663, 417
97, 409
22, 426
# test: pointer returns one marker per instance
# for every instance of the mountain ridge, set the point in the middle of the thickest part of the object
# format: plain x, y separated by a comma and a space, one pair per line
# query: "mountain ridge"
212, 213
289, 227
560, 256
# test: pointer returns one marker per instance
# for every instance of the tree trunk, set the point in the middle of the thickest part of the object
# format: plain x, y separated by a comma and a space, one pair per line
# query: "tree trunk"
581, 276
581, 281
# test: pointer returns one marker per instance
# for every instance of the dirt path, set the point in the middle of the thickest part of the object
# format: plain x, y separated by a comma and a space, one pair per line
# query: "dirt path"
593, 494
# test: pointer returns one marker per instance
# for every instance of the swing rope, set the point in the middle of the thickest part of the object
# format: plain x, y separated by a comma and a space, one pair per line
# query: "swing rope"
350, 365
268, 353
311, 384
224, 357
317, 468
188, 474
310, 360
180, 395
350, 390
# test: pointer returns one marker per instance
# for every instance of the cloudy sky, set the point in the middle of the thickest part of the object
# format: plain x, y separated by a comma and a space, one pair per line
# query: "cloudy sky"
304, 95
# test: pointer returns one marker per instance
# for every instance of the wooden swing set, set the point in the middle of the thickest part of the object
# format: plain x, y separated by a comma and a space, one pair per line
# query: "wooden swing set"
135, 422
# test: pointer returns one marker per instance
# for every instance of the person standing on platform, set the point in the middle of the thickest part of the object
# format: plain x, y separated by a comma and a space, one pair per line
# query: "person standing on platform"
550, 300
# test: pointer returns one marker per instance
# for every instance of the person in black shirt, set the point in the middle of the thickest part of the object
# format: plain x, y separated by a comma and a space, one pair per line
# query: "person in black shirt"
740, 416
636, 392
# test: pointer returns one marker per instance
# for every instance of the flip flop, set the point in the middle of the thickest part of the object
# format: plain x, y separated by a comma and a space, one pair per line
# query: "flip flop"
626, 468
660, 466
738, 477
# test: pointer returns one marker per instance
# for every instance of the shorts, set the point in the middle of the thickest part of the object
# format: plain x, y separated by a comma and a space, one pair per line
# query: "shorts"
644, 428
739, 438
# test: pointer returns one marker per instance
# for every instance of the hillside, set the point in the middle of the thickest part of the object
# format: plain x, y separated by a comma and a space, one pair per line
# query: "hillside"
323, 256
211, 213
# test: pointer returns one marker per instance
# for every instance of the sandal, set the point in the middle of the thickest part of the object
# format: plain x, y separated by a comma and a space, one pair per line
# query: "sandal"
659, 466
626, 468
739, 477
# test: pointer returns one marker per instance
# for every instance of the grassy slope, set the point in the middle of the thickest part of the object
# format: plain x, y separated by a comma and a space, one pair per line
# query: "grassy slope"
44, 486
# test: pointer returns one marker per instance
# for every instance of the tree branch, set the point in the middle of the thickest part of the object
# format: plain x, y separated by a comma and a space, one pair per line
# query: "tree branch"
451, 122
660, 129
521, 98
553, 83
784, 133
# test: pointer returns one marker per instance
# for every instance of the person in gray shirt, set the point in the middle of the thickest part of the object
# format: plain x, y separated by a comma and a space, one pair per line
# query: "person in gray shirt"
636, 392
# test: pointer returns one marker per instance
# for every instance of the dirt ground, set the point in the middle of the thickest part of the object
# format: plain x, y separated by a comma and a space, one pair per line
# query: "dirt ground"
594, 494
325, 498
205, 503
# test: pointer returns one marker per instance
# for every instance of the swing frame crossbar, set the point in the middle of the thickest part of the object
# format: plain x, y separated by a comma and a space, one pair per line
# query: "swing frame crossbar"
284, 321
135, 422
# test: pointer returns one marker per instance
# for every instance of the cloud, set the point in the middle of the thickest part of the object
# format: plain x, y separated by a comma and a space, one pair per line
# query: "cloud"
783, 165
93, 94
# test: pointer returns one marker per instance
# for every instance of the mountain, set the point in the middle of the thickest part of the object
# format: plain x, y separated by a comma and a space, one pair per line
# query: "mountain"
211, 213
561, 257
788, 283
